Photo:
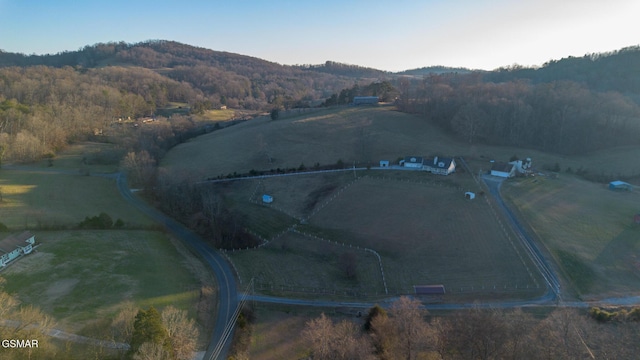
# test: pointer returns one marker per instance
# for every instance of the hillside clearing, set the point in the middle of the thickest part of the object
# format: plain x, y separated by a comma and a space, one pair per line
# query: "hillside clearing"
360, 135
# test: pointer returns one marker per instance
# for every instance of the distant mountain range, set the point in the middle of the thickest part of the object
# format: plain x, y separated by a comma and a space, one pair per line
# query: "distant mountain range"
169, 54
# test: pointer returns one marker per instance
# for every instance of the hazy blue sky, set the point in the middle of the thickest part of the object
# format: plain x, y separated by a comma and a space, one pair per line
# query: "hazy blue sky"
391, 35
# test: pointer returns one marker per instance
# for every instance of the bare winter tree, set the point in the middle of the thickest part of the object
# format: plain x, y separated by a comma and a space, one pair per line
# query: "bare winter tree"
182, 332
336, 341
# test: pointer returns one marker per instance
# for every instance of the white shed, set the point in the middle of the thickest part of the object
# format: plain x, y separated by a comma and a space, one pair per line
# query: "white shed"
469, 195
267, 199
384, 163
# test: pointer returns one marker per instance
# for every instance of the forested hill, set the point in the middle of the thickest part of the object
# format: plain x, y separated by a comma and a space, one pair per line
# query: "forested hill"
222, 78
568, 106
614, 71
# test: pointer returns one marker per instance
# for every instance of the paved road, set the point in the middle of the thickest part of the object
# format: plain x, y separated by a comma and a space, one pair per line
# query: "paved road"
228, 297
227, 291
540, 261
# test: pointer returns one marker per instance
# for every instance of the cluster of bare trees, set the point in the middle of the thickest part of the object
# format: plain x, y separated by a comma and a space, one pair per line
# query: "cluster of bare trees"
205, 210
406, 331
24, 322
42, 109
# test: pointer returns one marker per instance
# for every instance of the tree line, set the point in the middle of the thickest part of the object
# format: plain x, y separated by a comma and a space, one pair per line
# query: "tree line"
563, 117
407, 331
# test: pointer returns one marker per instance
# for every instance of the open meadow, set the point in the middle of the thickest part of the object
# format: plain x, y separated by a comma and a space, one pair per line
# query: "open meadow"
587, 228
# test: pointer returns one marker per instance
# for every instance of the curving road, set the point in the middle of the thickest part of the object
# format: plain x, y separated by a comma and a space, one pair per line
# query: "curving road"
228, 297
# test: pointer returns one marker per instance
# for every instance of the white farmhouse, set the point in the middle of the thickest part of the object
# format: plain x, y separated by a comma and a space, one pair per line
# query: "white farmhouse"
15, 245
440, 166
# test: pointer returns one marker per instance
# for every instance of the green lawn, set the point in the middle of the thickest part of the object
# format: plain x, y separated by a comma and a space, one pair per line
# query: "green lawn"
82, 276
587, 228
43, 199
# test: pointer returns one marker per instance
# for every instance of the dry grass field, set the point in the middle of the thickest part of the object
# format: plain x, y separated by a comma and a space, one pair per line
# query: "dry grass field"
588, 229
424, 229
429, 234
359, 134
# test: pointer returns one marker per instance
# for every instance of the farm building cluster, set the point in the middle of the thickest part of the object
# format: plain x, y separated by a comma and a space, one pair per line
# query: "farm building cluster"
510, 169
15, 246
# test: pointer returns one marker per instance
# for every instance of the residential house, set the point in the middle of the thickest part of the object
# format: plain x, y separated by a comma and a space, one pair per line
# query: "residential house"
440, 166
414, 162
15, 245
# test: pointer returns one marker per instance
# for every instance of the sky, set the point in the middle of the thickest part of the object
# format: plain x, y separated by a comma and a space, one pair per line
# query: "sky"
392, 35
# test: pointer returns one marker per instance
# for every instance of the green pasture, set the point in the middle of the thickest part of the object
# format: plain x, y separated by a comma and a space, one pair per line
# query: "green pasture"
80, 277
32, 199
215, 115
588, 229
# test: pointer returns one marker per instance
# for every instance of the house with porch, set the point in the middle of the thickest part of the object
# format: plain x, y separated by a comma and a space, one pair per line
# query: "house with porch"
440, 165
14, 246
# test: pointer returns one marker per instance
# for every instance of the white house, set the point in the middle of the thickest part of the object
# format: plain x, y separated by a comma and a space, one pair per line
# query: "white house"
414, 162
15, 245
504, 170
440, 166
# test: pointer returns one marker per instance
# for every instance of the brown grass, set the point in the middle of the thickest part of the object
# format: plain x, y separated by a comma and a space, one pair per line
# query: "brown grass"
432, 235
357, 134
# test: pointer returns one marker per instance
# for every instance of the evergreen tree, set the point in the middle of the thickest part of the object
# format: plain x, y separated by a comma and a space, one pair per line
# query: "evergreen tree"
148, 328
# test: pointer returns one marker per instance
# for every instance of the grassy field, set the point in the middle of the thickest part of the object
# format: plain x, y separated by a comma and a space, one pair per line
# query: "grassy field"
43, 199
433, 235
81, 276
357, 134
587, 228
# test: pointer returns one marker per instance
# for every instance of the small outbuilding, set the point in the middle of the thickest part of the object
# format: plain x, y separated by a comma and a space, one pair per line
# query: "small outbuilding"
384, 163
469, 195
620, 186
365, 100
267, 199
428, 289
